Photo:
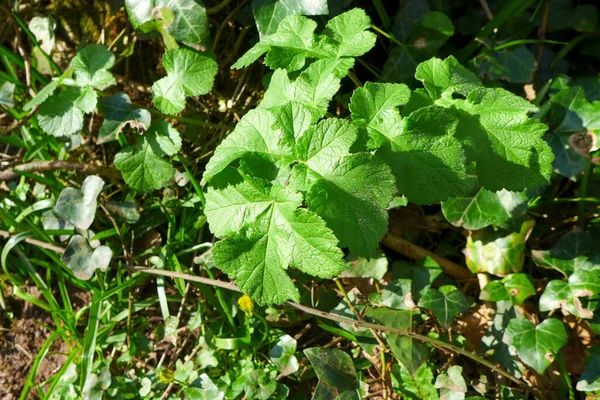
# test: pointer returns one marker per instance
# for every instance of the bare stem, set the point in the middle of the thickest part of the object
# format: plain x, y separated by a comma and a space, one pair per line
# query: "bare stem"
415, 252
354, 323
46, 166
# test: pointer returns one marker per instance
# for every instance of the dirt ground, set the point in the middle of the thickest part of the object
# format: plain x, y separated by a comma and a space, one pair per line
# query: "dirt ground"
21, 338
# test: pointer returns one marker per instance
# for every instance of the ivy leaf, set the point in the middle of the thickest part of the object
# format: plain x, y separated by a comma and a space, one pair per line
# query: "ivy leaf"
515, 287
79, 206
572, 252
188, 73
271, 239
446, 303
422, 274
572, 112
374, 107
83, 260
62, 114
336, 373
493, 343
515, 65
411, 353
119, 112
497, 253
203, 389
142, 169
504, 209
568, 162
190, 23
590, 379
282, 354
268, 14
452, 385
91, 66
398, 295
567, 295
536, 345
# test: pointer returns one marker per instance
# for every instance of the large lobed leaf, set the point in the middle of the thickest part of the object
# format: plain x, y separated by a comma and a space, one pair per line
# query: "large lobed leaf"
294, 41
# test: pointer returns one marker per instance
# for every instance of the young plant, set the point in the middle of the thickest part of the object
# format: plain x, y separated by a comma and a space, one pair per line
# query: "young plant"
290, 188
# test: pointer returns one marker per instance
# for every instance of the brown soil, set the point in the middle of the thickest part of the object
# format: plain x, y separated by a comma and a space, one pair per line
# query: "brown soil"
21, 338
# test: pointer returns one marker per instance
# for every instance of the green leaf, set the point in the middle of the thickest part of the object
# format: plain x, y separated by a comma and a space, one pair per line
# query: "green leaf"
515, 287
336, 373
567, 294
83, 260
268, 14
163, 139
79, 206
568, 162
410, 352
348, 32
43, 94
374, 267
190, 23
504, 141
91, 66
572, 112
274, 234
203, 389
345, 191
314, 87
452, 385
139, 11
282, 355
572, 252
142, 169
516, 64
536, 345
43, 29
414, 387
590, 379
492, 342
253, 134
497, 253
504, 209
62, 113
119, 112
188, 73
422, 274
398, 294
446, 303
374, 107
294, 41
426, 158
448, 76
